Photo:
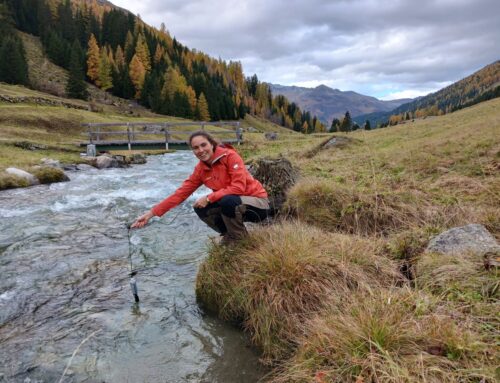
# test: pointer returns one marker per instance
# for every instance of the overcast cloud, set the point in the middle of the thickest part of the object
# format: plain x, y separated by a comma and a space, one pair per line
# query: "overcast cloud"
383, 48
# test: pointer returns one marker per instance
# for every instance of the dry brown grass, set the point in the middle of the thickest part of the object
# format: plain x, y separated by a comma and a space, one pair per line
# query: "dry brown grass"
392, 336
464, 283
285, 273
48, 175
338, 207
10, 181
397, 188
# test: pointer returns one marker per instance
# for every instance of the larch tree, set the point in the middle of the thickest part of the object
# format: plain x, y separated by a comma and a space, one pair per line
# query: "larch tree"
202, 108
174, 82
137, 74
119, 58
93, 58
104, 80
191, 96
142, 52
305, 127
159, 54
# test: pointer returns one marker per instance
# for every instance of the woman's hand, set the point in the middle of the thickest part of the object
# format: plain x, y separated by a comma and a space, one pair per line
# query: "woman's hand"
201, 202
142, 220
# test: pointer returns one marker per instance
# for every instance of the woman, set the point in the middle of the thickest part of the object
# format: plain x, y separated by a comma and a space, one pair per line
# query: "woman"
236, 196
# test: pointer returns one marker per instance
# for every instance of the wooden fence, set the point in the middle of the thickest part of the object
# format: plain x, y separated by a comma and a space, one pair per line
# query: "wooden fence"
98, 136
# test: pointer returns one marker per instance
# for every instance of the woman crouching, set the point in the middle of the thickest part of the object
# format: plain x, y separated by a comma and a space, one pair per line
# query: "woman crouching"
236, 196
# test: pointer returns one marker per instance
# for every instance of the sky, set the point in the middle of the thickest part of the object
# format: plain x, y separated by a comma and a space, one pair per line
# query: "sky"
383, 48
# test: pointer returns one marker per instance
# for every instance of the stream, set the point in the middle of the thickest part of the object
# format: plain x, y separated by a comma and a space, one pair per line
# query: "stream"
66, 306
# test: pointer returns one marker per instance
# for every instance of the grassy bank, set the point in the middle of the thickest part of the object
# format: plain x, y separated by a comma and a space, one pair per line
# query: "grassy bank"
341, 291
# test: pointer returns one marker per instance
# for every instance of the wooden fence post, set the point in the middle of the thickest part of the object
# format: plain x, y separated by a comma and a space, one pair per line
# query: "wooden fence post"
166, 137
128, 136
239, 133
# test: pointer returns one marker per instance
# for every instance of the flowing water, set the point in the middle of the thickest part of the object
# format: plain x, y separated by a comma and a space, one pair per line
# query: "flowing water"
65, 298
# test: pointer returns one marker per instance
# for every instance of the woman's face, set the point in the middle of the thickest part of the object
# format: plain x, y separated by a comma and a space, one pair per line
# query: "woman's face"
202, 148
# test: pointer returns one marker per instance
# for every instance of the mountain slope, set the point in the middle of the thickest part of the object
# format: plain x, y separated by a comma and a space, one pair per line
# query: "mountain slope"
120, 54
328, 103
479, 86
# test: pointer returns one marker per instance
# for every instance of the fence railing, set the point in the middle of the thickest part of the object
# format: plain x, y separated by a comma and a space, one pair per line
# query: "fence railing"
97, 136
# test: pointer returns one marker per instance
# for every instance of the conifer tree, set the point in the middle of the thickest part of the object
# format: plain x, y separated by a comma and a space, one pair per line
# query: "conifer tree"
13, 66
174, 82
191, 97
367, 125
119, 58
346, 124
305, 127
93, 58
202, 108
129, 47
142, 52
319, 127
137, 75
104, 80
335, 125
76, 86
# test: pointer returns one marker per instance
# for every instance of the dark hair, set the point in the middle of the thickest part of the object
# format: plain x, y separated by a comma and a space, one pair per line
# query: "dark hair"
202, 133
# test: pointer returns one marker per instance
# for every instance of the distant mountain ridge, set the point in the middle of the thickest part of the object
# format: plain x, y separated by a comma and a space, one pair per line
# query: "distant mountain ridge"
328, 103
482, 85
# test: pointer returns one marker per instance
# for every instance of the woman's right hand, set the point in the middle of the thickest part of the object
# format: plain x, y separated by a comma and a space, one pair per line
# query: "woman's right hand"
142, 220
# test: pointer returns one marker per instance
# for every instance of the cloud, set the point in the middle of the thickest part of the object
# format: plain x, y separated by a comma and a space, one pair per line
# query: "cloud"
376, 47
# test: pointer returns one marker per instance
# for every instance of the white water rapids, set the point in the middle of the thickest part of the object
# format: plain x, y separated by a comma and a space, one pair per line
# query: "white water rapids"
64, 276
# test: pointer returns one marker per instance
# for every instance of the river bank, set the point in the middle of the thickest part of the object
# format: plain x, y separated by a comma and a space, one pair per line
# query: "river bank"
347, 288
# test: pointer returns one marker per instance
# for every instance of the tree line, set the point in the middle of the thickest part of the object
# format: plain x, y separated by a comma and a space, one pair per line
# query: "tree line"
120, 54
480, 86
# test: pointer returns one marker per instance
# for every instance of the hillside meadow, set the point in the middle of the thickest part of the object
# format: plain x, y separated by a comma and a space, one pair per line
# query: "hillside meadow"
340, 290
35, 118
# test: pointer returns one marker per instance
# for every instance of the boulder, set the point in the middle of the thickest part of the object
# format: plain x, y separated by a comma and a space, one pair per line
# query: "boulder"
138, 159
70, 167
473, 238
271, 136
104, 162
337, 142
51, 163
84, 167
30, 145
32, 180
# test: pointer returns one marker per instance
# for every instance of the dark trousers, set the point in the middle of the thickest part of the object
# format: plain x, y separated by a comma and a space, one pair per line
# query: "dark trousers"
227, 215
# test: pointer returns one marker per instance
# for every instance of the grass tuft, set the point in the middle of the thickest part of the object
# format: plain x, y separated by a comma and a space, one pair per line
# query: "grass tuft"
337, 207
48, 175
10, 181
285, 273
392, 336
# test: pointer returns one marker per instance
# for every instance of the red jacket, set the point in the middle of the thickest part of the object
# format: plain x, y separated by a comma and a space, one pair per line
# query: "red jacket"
226, 175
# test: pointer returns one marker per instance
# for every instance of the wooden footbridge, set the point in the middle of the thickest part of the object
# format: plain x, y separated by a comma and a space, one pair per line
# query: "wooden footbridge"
157, 133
